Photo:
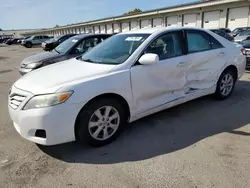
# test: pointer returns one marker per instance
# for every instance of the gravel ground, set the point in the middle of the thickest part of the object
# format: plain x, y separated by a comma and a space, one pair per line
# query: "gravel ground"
203, 143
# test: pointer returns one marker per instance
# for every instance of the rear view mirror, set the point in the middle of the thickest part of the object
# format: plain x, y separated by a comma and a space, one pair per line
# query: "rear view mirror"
148, 59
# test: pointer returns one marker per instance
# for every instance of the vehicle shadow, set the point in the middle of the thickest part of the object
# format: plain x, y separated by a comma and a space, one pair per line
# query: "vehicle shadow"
165, 132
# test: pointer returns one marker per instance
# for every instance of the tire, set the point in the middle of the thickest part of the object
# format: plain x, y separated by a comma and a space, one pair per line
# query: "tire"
220, 93
86, 134
28, 45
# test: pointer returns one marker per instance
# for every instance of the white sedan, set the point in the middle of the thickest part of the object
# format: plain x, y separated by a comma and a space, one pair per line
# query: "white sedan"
128, 76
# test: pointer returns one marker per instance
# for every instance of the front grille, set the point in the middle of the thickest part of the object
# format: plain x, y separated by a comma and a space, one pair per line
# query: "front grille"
15, 100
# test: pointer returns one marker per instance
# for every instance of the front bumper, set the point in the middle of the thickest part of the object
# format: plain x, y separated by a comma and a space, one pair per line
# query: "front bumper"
24, 71
58, 121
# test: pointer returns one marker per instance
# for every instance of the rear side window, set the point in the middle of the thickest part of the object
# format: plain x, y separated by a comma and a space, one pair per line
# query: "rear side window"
199, 41
214, 43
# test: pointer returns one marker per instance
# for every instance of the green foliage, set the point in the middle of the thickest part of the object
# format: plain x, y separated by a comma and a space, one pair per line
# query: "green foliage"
136, 10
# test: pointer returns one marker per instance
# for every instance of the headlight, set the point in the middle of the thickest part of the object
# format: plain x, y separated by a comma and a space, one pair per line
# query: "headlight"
33, 65
42, 101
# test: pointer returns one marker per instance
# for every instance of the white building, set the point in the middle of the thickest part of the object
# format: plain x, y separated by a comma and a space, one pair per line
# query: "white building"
207, 14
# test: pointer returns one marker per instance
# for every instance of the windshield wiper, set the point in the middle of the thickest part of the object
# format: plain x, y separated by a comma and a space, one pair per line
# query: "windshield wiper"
89, 60
57, 51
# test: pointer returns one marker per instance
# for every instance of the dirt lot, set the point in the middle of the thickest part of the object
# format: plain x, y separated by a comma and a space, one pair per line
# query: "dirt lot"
204, 143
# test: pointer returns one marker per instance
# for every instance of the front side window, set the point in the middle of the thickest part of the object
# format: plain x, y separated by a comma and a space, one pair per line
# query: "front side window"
116, 49
167, 46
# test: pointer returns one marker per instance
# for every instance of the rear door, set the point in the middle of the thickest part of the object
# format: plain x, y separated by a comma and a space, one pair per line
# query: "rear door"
206, 57
163, 82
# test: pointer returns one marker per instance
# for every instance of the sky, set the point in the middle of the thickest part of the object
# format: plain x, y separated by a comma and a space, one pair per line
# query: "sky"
31, 14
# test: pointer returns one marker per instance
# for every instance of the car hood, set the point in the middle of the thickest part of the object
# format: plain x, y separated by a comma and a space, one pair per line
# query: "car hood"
41, 57
240, 38
49, 79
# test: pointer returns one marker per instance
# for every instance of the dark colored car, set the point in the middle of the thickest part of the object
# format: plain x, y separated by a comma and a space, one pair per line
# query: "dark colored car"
226, 30
223, 34
246, 45
70, 48
54, 42
12, 41
238, 30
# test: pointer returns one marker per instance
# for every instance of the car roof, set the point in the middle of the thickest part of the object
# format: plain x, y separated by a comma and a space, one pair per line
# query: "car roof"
89, 35
159, 30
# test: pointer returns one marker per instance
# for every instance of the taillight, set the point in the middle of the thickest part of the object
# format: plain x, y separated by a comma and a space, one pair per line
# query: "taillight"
243, 51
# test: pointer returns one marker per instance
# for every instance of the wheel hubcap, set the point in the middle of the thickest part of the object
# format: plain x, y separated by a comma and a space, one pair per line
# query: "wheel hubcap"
104, 122
226, 84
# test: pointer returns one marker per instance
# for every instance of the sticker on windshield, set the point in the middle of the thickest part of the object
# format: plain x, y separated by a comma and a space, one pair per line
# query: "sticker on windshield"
133, 38
74, 40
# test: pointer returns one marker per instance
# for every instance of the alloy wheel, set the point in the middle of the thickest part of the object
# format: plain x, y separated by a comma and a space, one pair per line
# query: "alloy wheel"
104, 122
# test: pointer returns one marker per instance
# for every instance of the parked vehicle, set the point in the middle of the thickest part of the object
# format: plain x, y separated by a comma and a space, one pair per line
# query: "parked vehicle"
34, 40
243, 36
126, 77
4, 39
223, 34
238, 30
54, 42
70, 48
24, 38
226, 30
246, 45
12, 41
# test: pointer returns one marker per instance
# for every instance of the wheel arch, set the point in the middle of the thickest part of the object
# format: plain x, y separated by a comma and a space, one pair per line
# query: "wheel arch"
118, 97
232, 68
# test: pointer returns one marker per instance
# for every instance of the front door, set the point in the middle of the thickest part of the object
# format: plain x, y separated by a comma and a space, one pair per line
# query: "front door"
163, 82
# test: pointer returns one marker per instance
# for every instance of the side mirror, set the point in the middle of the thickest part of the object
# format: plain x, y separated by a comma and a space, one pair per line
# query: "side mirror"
149, 59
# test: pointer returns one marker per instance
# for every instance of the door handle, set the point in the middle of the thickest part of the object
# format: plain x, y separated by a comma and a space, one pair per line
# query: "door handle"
221, 53
181, 64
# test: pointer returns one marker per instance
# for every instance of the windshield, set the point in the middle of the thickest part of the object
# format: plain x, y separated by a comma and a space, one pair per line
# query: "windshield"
116, 49
66, 45
245, 33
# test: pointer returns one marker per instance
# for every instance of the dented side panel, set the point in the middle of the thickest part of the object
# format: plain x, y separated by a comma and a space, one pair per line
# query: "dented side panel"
204, 68
154, 85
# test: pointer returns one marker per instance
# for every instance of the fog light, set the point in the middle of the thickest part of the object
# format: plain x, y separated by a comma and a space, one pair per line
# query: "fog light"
40, 133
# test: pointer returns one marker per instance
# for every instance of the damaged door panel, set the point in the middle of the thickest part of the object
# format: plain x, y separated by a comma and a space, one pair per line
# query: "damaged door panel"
206, 57
160, 83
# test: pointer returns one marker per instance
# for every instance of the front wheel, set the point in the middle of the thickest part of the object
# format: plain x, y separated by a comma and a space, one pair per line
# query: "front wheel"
28, 45
100, 122
225, 84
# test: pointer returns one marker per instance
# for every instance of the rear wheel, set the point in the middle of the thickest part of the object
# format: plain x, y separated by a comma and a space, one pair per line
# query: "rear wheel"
100, 122
225, 84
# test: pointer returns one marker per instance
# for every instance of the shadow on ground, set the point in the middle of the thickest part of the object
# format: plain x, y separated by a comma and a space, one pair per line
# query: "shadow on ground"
165, 132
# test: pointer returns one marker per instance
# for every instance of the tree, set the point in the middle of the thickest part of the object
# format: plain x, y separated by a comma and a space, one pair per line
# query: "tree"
0, 29
57, 26
136, 10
